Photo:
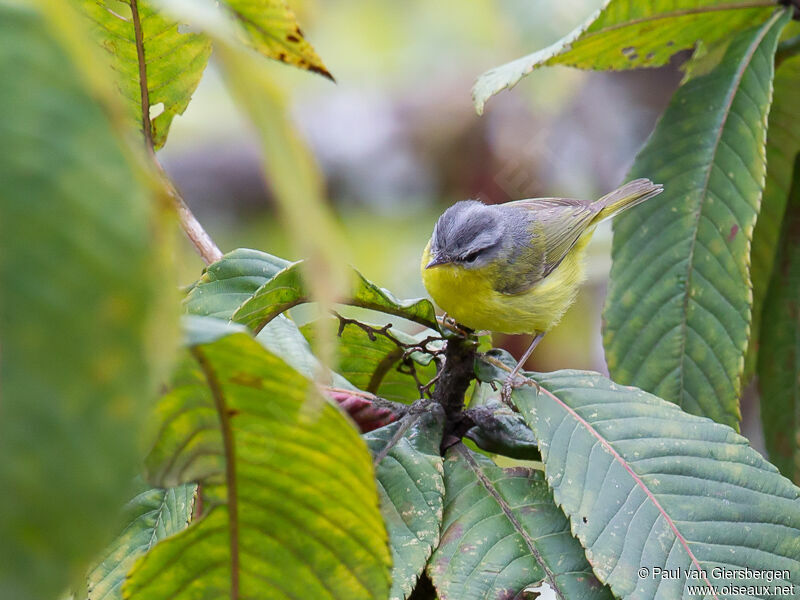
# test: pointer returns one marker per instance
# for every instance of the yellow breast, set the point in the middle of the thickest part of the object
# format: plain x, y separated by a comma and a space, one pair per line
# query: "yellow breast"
467, 295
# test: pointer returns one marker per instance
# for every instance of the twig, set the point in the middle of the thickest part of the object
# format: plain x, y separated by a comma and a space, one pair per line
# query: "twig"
385, 331
407, 349
432, 382
201, 241
415, 411
422, 389
405, 425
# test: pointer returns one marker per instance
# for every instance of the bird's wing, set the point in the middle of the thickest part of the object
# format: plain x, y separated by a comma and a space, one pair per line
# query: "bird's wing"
556, 224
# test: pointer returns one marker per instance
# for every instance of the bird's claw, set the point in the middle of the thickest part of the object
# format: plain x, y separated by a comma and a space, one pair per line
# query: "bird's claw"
453, 325
511, 384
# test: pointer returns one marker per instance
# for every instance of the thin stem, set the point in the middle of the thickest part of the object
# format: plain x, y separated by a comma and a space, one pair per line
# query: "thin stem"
403, 353
200, 239
202, 242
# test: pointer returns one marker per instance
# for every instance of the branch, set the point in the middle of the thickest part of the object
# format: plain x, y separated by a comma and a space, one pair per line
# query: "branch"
454, 379
385, 331
404, 356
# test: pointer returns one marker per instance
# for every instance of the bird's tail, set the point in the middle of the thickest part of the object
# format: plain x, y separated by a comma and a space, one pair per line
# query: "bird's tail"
632, 193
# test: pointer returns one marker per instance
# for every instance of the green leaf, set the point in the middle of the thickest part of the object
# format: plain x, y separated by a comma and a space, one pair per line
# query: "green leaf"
500, 430
779, 357
372, 364
294, 510
233, 279
783, 144
271, 29
627, 34
84, 327
677, 315
411, 487
647, 485
157, 66
283, 338
502, 532
288, 288
229, 282
154, 514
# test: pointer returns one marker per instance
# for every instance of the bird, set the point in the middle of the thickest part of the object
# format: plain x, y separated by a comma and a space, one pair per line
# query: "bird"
516, 267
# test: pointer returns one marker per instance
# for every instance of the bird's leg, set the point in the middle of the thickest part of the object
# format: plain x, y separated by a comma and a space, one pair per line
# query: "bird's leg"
509, 383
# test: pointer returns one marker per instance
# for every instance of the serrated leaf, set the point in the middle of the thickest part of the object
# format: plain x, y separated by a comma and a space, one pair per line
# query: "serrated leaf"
152, 515
779, 357
411, 487
647, 485
272, 30
288, 288
84, 327
783, 144
626, 34
157, 66
372, 364
677, 315
294, 509
502, 532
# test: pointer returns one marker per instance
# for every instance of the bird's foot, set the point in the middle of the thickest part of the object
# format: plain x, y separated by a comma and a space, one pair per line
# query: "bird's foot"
512, 383
453, 325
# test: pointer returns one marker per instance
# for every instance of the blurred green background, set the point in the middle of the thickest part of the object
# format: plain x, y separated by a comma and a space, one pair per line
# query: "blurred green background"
398, 140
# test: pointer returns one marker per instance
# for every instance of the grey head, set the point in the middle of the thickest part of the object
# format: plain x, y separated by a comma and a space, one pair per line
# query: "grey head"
469, 234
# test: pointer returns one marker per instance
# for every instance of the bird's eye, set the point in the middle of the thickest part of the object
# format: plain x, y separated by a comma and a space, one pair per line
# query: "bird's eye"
471, 257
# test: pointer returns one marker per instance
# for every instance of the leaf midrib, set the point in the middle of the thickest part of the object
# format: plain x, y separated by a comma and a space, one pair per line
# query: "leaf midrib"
138, 35
731, 95
682, 13
637, 480
230, 465
490, 488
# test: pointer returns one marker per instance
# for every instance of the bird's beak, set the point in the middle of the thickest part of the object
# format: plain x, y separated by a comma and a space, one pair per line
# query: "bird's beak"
436, 261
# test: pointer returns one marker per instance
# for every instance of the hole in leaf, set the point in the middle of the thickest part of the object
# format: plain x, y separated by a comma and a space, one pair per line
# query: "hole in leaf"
155, 110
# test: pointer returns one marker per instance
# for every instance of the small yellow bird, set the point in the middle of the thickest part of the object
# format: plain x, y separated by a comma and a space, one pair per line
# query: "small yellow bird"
516, 267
